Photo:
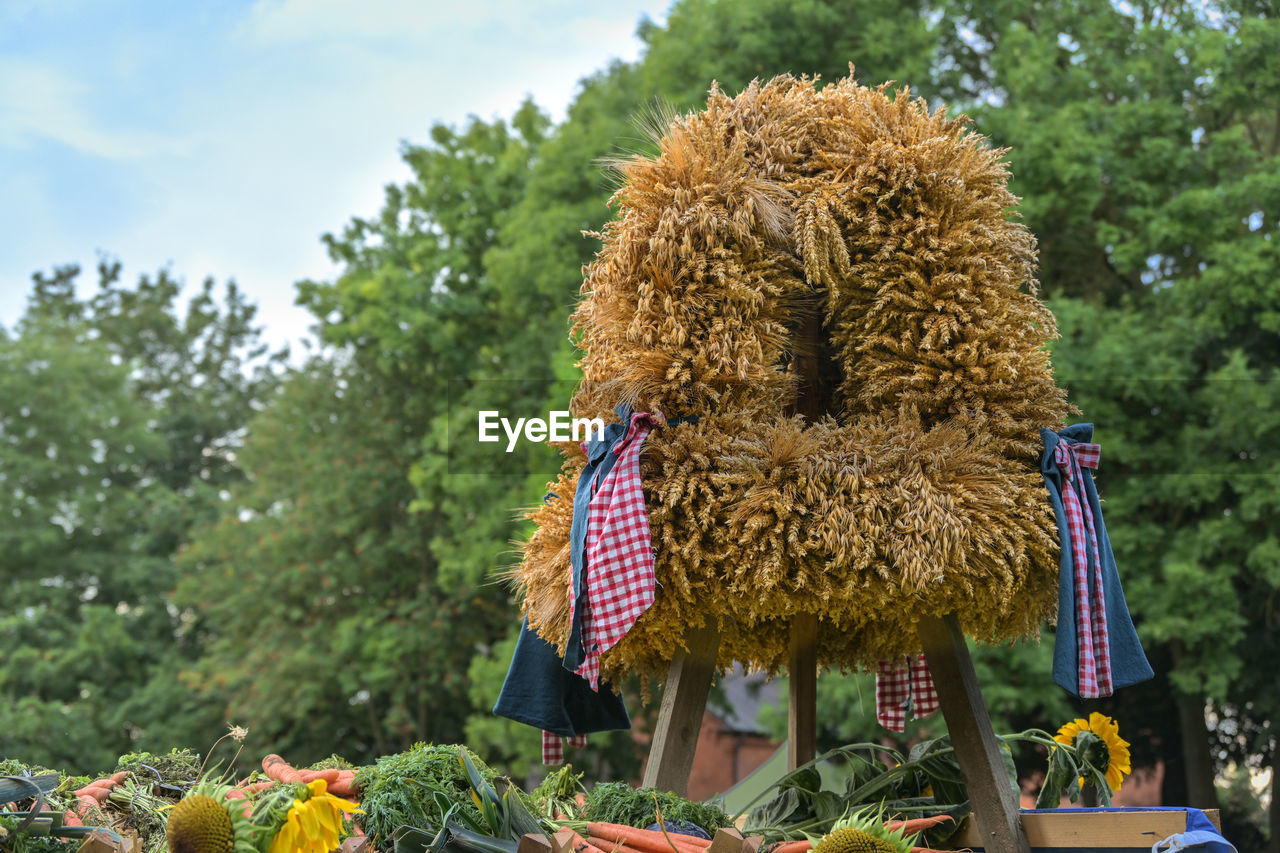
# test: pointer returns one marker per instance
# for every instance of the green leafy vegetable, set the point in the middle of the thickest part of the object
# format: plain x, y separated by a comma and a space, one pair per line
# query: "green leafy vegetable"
177, 766
420, 787
333, 762
618, 802
557, 796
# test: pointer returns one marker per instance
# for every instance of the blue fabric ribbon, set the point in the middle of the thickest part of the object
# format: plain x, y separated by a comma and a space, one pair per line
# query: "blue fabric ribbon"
1128, 661
541, 689
540, 692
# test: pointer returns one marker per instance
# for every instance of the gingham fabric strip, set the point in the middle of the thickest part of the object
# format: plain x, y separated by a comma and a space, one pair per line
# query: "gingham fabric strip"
620, 566
553, 746
904, 685
1093, 648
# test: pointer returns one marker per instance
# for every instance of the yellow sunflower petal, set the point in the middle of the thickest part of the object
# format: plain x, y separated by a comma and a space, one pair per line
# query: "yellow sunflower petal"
1102, 725
286, 839
312, 828
331, 818
345, 805
1067, 734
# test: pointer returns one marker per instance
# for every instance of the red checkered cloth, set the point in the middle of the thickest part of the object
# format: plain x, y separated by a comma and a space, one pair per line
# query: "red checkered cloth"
904, 685
620, 577
1092, 645
553, 746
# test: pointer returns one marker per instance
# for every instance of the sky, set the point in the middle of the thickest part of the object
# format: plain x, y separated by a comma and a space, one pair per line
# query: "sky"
224, 138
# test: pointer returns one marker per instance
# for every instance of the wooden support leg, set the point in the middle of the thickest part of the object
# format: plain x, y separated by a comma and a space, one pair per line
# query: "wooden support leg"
684, 699
995, 803
802, 710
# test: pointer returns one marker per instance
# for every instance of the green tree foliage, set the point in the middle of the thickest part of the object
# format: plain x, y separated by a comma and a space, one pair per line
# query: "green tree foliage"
704, 40
1144, 143
416, 304
120, 412
355, 565
317, 601
360, 557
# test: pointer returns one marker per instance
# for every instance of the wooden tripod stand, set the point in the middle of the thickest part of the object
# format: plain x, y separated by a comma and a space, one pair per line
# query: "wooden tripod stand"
684, 699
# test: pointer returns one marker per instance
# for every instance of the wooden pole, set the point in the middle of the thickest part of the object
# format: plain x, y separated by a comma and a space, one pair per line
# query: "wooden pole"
802, 709
684, 699
995, 803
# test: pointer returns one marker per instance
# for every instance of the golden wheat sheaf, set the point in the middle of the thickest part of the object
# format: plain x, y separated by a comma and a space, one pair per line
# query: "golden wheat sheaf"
783, 226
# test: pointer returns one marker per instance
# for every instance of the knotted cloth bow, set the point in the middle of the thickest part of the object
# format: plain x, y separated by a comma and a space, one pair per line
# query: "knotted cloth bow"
619, 553
553, 747
1091, 607
904, 685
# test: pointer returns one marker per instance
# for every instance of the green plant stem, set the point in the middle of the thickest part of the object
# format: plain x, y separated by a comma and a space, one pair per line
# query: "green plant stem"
1036, 736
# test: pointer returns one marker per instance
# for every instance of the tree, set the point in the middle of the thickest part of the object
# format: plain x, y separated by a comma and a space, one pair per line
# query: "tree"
1153, 163
733, 44
1144, 144
318, 602
402, 534
416, 305
119, 420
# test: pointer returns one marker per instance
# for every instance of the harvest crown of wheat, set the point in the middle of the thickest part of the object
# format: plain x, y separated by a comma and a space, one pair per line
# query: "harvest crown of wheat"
833, 286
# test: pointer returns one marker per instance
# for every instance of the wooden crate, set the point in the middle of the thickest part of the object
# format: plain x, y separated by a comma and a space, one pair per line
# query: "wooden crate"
1101, 831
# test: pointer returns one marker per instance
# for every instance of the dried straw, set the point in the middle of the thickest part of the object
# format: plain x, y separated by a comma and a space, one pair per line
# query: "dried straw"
916, 492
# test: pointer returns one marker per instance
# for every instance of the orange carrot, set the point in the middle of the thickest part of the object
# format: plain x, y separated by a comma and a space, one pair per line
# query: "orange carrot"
280, 770
237, 794
345, 786
244, 789
647, 840
611, 846
329, 776
684, 840
86, 804
96, 786
793, 846
99, 788
581, 845
919, 824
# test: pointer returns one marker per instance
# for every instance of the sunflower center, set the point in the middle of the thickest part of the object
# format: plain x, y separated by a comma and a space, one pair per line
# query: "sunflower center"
199, 824
851, 840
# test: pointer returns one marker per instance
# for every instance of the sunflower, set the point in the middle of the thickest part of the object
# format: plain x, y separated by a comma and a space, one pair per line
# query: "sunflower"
314, 821
1108, 731
864, 832
206, 820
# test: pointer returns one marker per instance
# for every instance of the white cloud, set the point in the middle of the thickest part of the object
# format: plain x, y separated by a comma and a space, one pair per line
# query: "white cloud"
296, 21
40, 103
287, 126
284, 21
